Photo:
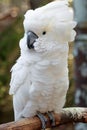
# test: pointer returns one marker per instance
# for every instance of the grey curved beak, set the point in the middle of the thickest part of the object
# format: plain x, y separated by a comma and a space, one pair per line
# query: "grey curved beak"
31, 38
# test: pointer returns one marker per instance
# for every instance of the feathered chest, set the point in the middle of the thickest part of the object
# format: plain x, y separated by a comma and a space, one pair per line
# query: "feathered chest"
48, 71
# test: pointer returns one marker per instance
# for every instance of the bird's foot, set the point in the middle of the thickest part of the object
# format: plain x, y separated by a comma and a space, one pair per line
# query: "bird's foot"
52, 118
43, 120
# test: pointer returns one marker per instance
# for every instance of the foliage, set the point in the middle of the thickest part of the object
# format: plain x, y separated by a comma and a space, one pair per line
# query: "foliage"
9, 52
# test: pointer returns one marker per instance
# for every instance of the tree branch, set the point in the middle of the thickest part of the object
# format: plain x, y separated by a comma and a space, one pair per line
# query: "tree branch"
67, 115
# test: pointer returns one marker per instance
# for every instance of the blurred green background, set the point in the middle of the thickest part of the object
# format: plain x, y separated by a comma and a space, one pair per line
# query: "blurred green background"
11, 31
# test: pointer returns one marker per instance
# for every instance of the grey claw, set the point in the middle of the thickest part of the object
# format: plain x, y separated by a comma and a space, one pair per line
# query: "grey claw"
43, 120
52, 119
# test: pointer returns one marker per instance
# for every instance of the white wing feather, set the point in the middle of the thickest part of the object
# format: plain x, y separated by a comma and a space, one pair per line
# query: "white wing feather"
18, 77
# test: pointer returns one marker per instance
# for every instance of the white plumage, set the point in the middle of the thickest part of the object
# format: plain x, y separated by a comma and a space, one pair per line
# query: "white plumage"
39, 80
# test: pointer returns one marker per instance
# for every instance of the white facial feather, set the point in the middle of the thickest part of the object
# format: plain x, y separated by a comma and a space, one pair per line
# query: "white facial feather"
54, 18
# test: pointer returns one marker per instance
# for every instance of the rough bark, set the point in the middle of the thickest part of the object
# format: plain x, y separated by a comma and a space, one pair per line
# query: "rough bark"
67, 115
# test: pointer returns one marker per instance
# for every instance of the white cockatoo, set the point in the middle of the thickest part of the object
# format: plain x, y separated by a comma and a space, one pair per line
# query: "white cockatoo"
39, 79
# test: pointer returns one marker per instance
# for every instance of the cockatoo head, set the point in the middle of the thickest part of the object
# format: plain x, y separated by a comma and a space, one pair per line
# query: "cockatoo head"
48, 26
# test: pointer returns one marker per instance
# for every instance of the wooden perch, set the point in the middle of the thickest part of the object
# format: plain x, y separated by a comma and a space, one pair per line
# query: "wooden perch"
68, 115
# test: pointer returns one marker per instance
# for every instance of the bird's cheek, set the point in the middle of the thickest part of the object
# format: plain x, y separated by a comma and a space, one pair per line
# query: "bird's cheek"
39, 46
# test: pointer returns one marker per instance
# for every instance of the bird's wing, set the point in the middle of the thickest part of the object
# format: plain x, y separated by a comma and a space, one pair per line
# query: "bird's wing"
18, 77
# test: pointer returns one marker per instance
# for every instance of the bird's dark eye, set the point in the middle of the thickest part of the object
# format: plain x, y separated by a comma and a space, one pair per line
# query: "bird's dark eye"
44, 32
